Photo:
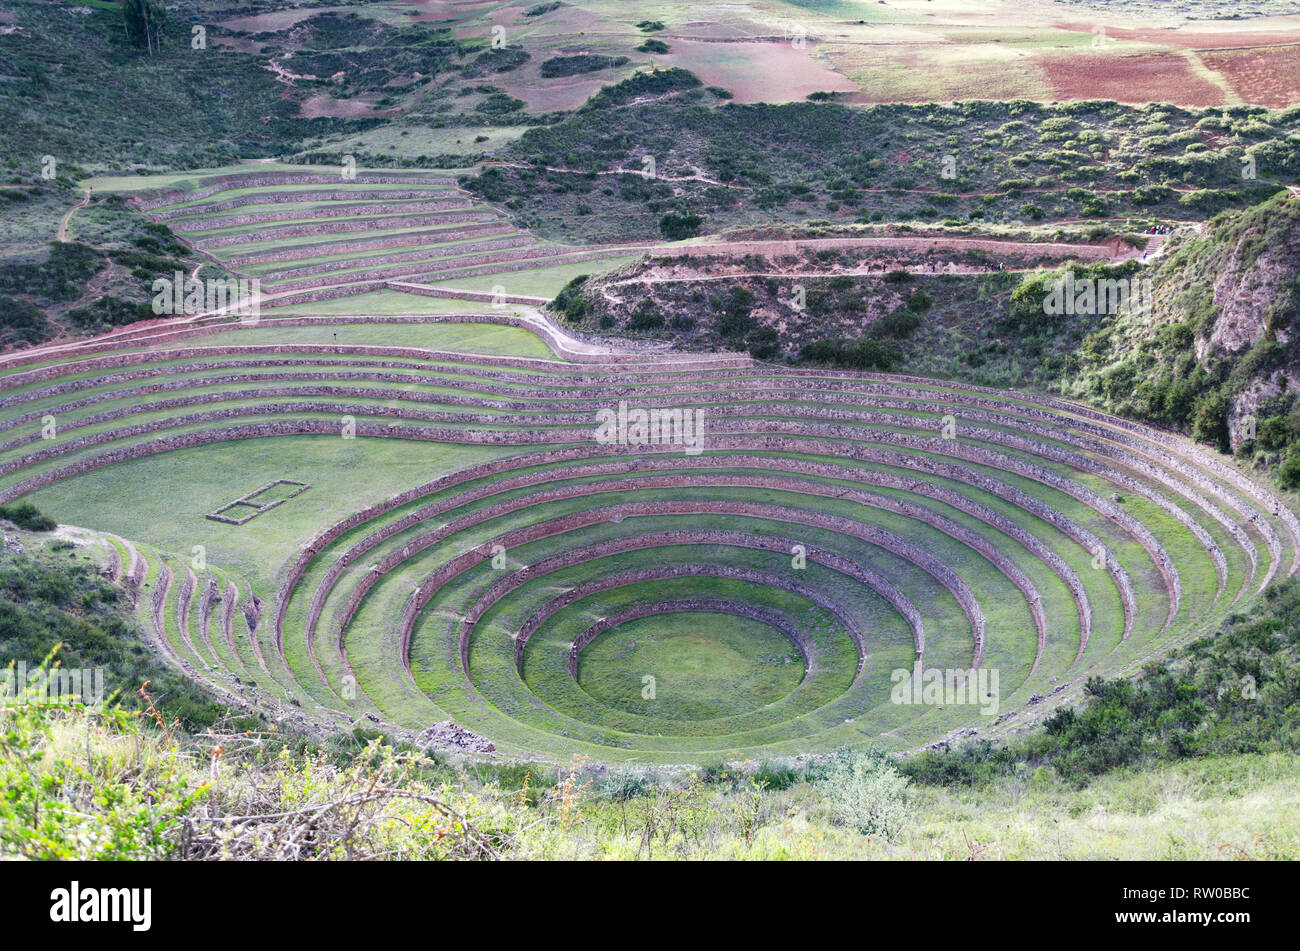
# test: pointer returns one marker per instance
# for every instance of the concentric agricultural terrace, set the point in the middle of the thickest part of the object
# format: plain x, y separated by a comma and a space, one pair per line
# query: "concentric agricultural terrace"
434, 532
310, 237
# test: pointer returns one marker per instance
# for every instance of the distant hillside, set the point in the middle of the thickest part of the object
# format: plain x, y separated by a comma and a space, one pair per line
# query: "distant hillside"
209, 94
613, 170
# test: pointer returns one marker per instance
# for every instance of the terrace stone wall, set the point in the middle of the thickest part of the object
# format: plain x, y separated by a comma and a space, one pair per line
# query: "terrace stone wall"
220, 183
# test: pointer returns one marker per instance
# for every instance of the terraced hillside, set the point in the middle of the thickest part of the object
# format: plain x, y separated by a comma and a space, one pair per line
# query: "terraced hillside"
478, 542
312, 236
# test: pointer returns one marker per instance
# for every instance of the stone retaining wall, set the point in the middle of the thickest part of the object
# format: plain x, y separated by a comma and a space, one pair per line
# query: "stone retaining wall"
212, 222
220, 183
344, 246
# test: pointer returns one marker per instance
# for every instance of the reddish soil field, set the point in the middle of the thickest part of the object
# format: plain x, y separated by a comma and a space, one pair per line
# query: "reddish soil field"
1137, 78
1263, 77
1225, 38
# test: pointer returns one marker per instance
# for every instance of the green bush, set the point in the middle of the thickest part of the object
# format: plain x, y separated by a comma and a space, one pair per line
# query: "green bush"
21, 322
645, 317
863, 353
676, 227
558, 66
571, 302
736, 320
919, 302
900, 325
27, 516
1288, 474
865, 791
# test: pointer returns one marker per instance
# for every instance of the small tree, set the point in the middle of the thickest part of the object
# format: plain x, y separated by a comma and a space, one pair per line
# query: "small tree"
675, 227
144, 21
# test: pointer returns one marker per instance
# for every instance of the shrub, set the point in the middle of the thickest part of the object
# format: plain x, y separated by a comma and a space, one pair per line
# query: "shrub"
736, 320
861, 354
558, 66
653, 46
676, 227
863, 790
27, 516
571, 303
900, 325
654, 83
1288, 474
919, 302
21, 322
764, 343
776, 775
645, 317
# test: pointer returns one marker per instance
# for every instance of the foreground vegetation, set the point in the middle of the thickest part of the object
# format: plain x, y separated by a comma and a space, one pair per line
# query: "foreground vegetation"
1181, 764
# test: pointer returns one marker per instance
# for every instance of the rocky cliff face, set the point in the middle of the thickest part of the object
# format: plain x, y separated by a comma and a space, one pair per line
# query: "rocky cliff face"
1232, 293
1256, 299
1247, 293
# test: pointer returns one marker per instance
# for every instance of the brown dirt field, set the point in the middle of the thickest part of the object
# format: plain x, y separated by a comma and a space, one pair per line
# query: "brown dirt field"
1286, 30
322, 105
758, 71
281, 20
561, 96
432, 10
1135, 78
1263, 77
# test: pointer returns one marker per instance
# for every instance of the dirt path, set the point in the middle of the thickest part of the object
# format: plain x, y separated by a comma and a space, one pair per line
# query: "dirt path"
880, 190
140, 335
931, 243
67, 218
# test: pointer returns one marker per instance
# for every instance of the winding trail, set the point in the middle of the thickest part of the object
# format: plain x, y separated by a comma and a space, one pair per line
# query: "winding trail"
67, 218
